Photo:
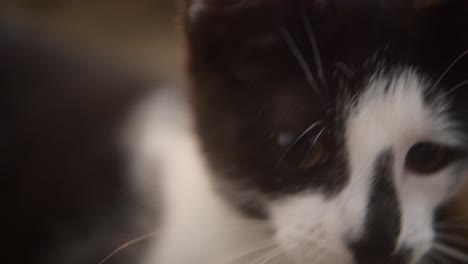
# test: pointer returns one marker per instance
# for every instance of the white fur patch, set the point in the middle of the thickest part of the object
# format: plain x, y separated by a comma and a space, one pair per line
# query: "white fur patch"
311, 229
197, 226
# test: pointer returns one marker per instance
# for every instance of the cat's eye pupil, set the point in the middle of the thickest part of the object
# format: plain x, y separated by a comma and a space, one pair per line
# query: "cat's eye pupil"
426, 158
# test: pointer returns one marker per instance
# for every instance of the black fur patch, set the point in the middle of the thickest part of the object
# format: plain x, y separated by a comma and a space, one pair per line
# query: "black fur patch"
247, 86
383, 220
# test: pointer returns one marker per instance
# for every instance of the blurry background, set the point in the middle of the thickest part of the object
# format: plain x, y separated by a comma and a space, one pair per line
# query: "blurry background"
70, 71
143, 33
55, 211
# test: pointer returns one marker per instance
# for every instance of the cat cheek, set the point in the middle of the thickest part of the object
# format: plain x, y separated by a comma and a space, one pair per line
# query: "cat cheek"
308, 229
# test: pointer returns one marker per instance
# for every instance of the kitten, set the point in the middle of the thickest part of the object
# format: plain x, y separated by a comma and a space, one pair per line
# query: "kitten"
325, 131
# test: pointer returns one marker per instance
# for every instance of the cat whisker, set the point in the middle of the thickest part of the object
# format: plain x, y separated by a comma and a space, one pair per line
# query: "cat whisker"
275, 253
129, 244
312, 145
299, 58
315, 49
456, 87
437, 258
245, 252
456, 239
461, 56
449, 251
303, 134
318, 135
268, 255
273, 256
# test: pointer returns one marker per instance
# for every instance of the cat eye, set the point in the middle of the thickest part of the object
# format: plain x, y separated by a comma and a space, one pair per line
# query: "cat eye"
305, 153
427, 158
314, 157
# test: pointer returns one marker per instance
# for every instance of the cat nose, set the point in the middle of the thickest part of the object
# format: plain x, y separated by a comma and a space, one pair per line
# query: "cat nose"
372, 250
401, 256
382, 225
379, 239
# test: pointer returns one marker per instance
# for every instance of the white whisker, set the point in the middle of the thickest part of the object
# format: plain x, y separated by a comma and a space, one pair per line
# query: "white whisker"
464, 83
457, 239
450, 252
450, 67
250, 250
438, 258
299, 58
312, 145
267, 255
273, 256
129, 244
315, 49
314, 125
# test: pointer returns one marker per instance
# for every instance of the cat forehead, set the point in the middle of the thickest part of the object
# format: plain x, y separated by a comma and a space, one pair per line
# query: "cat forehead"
238, 32
395, 112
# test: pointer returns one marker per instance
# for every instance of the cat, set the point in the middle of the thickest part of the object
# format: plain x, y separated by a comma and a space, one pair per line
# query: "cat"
314, 131
308, 131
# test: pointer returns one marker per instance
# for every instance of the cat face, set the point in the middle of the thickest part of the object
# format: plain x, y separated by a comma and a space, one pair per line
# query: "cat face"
341, 123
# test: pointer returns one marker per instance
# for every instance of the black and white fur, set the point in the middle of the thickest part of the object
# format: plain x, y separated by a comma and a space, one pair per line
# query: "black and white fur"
370, 79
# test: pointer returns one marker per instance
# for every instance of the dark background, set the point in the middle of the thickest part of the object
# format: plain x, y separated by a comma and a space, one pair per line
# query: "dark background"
70, 72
